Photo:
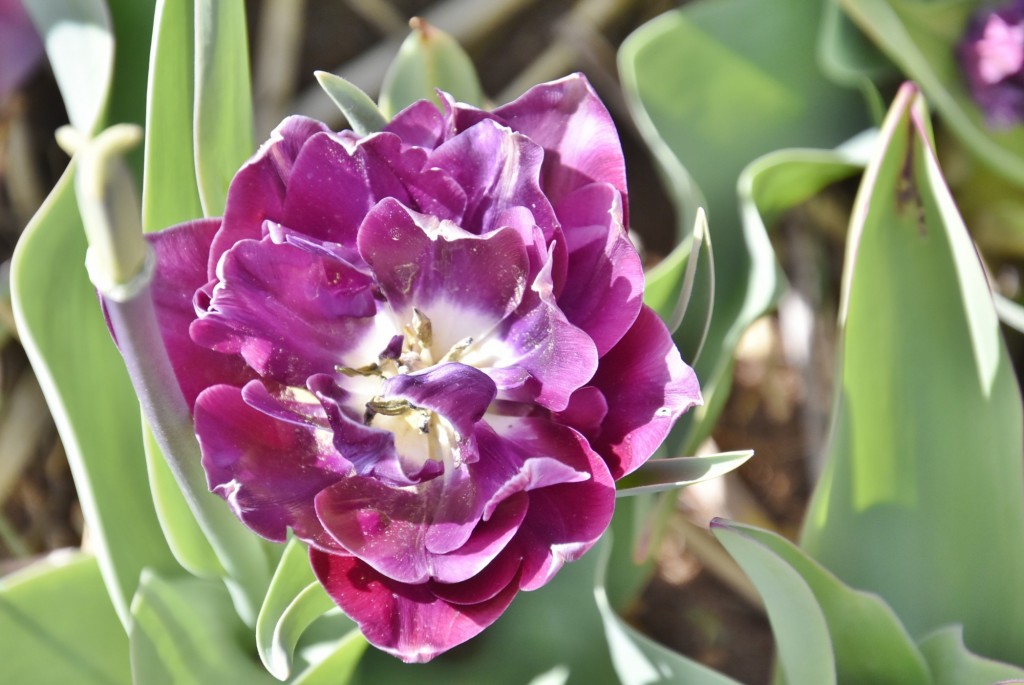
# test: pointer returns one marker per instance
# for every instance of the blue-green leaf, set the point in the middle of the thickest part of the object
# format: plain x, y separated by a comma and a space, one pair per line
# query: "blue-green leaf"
86, 385
294, 600
859, 623
922, 478
169, 189
920, 37
359, 109
675, 472
709, 99
640, 660
80, 45
59, 626
428, 59
185, 630
223, 126
953, 664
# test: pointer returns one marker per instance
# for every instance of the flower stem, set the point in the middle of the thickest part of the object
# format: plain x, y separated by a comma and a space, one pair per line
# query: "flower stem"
121, 266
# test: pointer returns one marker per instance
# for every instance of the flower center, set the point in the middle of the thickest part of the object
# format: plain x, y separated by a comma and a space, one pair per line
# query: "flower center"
398, 405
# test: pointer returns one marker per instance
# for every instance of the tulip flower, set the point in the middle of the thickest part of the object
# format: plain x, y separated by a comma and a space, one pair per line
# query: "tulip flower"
424, 352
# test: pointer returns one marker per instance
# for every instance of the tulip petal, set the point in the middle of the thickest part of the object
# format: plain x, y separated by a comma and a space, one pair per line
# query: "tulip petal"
289, 312
604, 295
180, 270
647, 387
268, 470
257, 191
463, 283
499, 170
580, 143
408, 621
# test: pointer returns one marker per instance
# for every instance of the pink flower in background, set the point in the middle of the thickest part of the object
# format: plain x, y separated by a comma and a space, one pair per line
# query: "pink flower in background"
425, 352
20, 47
992, 57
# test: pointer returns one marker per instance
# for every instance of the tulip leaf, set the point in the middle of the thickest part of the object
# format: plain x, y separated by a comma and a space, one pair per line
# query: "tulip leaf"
798, 622
223, 99
675, 472
169, 189
185, 630
359, 109
1010, 313
638, 659
920, 37
428, 59
294, 600
859, 623
849, 58
184, 536
682, 290
709, 99
338, 665
86, 386
80, 45
922, 476
953, 664
59, 626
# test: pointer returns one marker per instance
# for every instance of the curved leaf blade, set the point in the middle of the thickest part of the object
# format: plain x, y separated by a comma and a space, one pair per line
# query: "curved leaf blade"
223, 125
953, 664
675, 472
66, 339
859, 623
359, 110
923, 470
428, 59
47, 644
798, 622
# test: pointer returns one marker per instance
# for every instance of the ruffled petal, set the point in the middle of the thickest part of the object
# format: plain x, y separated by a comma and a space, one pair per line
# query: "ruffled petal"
180, 270
580, 143
257, 192
408, 621
287, 311
647, 386
499, 170
572, 495
604, 294
268, 469
463, 283
536, 354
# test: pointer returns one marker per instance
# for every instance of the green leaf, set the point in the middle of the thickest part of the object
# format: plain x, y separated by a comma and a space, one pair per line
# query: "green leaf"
920, 37
169, 188
338, 665
953, 664
859, 623
921, 488
428, 59
666, 474
360, 111
638, 659
88, 391
682, 290
59, 626
181, 530
80, 45
708, 99
223, 99
185, 630
849, 58
798, 622
294, 600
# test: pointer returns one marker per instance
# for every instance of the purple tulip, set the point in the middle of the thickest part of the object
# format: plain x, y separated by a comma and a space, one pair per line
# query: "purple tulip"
992, 57
425, 352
